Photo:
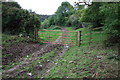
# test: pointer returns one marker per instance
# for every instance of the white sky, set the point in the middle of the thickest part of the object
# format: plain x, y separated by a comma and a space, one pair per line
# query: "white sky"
42, 6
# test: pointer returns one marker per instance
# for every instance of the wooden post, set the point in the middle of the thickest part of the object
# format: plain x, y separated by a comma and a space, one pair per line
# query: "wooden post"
90, 37
48, 36
79, 38
76, 38
62, 37
36, 33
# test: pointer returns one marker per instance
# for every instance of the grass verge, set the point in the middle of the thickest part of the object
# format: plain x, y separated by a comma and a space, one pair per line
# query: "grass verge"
91, 60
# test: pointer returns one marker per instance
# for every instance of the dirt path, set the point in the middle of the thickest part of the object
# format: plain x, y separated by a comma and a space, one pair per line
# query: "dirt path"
46, 48
51, 66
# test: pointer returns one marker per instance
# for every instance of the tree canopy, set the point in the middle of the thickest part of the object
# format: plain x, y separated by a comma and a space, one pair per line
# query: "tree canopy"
16, 20
103, 14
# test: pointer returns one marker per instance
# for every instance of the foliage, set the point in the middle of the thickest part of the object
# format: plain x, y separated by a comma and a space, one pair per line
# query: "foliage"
43, 17
53, 27
104, 15
80, 62
63, 13
92, 15
45, 24
62, 16
112, 21
16, 20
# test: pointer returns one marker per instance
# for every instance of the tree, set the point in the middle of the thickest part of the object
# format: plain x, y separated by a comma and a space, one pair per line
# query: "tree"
111, 21
92, 14
104, 15
45, 24
17, 20
74, 20
63, 13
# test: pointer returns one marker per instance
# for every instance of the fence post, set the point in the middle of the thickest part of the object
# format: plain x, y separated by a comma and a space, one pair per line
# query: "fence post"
79, 38
62, 37
90, 37
36, 34
76, 38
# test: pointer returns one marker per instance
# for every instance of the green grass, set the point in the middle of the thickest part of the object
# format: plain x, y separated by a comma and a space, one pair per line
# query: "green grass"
73, 35
46, 35
78, 62
69, 28
12, 64
85, 35
32, 66
49, 36
40, 61
92, 37
8, 40
70, 38
53, 27
84, 61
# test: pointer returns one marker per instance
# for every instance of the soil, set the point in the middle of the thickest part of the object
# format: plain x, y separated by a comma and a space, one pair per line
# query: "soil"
19, 51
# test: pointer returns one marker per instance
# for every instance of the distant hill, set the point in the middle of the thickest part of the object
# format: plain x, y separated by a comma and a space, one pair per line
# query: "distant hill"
43, 17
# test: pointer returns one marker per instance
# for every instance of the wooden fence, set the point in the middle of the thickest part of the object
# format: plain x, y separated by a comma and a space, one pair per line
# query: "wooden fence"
63, 37
91, 36
70, 37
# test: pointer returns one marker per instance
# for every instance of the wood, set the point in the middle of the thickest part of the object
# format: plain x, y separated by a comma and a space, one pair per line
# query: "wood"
79, 38
99, 32
87, 34
76, 38
64, 37
70, 40
35, 34
50, 30
57, 30
97, 28
90, 37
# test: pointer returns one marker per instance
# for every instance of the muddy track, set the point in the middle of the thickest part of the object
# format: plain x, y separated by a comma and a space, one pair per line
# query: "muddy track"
12, 72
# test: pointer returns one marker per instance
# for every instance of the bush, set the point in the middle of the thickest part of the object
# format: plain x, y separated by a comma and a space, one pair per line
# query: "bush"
16, 20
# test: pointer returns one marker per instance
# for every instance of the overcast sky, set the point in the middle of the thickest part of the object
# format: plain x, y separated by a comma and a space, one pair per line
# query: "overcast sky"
42, 6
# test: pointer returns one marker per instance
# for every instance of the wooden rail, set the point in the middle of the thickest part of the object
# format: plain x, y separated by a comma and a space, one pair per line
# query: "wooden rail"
66, 38
69, 39
91, 36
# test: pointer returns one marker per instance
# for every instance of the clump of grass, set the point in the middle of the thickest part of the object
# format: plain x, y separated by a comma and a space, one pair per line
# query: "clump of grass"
8, 40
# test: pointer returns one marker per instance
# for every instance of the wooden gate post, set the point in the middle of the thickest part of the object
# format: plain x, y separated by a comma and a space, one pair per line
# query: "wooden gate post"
62, 37
90, 37
36, 34
79, 38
